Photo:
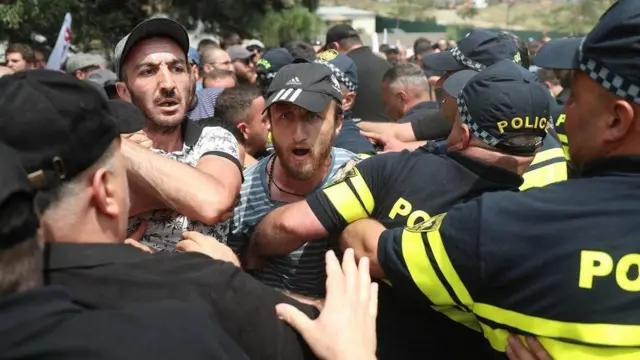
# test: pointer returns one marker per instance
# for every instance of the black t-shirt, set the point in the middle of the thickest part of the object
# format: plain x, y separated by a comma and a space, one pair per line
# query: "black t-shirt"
46, 324
371, 68
402, 189
427, 122
114, 276
351, 139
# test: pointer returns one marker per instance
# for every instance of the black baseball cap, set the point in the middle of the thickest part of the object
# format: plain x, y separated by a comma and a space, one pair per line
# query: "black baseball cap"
157, 27
274, 60
340, 32
479, 49
608, 54
58, 125
503, 101
18, 221
311, 86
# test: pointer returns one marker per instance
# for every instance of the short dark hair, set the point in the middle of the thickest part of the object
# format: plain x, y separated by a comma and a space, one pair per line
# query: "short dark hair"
421, 46
523, 49
548, 75
20, 264
232, 128
205, 43
25, 50
301, 49
348, 43
217, 74
229, 39
234, 103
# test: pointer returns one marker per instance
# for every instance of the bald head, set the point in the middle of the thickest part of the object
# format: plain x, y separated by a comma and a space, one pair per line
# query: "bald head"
215, 58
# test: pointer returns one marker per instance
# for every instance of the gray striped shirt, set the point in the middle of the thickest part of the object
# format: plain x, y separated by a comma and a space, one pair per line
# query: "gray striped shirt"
302, 271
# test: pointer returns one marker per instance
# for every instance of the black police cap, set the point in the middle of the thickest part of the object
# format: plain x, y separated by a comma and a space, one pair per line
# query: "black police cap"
18, 221
608, 54
479, 49
58, 125
310, 86
501, 102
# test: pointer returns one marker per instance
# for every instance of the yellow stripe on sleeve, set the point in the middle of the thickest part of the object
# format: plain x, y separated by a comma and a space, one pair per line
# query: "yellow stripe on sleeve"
585, 333
347, 202
548, 174
445, 265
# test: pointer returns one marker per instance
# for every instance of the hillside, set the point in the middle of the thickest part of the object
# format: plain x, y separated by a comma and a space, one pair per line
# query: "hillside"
543, 15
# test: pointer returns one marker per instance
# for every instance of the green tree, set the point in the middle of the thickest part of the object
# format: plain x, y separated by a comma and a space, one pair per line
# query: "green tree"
576, 18
295, 23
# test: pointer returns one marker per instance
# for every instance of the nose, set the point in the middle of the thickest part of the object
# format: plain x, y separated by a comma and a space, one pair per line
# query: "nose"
166, 82
299, 131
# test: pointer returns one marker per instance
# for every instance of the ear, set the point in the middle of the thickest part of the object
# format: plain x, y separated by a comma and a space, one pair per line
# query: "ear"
548, 85
244, 129
80, 74
347, 100
402, 96
207, 68
123, 91
104, 190
339, 122
622, 122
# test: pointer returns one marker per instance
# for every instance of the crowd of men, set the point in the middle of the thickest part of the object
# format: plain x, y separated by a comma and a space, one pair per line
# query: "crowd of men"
193, 202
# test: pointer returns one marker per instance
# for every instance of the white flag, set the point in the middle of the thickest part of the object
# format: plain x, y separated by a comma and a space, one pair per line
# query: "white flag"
61, 50
385, 36
375, 43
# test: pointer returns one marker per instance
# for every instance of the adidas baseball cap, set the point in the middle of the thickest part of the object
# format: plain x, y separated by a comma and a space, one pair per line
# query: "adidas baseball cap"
503, 101
310, 86
608, 54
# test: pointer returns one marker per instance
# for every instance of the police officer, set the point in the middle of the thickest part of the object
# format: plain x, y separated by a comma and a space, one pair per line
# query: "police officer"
478, 50
561, 262
404, 188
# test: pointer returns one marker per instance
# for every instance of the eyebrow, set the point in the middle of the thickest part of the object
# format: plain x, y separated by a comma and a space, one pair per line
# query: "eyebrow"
156, 63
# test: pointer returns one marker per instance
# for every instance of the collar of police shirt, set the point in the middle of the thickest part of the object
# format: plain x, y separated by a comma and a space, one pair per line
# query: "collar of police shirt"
486, 171
419, 110
614, 164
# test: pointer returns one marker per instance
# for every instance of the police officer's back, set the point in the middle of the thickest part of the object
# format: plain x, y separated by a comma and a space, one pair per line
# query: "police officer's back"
43, 323
560, 262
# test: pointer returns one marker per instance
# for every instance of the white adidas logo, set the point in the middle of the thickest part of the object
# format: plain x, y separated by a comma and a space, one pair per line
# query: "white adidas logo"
294, 81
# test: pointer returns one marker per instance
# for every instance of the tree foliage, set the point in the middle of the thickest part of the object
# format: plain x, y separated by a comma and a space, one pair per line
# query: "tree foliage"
296, 23
576, 18
109, 20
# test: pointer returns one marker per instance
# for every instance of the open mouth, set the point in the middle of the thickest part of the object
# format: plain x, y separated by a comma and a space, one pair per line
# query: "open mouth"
168, 103
300, 152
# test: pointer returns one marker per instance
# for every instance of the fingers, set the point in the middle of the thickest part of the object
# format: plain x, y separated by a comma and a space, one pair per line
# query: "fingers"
364, 280
335, 279
535, 346
350, 270
373, 300
294, 317
142, 228
373, 136
187, 245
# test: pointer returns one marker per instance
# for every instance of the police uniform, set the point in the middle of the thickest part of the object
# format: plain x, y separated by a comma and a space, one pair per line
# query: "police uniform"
480, 49
405, 188
560, 262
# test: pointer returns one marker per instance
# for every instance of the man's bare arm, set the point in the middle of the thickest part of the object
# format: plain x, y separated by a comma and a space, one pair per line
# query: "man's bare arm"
404, 132
285, 229
194, 192
362, 236
376, 127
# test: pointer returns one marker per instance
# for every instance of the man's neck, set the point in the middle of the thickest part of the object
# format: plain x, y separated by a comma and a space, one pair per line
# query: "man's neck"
356, 46
291, 185
415, 101
167, 141
512, 163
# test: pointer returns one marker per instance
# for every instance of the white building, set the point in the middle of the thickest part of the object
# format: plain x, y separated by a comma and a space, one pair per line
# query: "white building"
361, 20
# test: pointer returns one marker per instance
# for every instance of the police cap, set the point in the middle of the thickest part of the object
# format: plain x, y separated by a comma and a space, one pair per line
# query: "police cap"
608, 54
501, 102
479, 49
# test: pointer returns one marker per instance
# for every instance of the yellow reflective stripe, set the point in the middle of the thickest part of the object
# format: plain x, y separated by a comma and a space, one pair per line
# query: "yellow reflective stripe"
465, 318
545, 175
563, 350
364, 156
421, 271
547, 155
346, 201
446, 267
565, 145
596, 334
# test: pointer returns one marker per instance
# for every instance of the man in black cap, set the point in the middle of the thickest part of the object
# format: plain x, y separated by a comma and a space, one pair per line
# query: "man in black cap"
403, 188
304, 107
198, 190
270, 63
559, 262
346, 40
39, 322
73, 156
345, 70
